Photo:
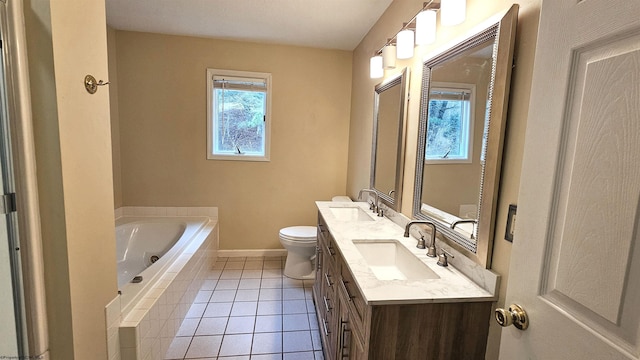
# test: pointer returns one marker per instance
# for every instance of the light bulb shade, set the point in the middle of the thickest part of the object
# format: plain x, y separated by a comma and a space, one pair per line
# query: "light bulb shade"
389, 57
375, 67
426, 27
453, 12
404, 43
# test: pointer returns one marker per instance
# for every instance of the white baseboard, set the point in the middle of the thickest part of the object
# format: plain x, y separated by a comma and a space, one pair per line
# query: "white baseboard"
252, 253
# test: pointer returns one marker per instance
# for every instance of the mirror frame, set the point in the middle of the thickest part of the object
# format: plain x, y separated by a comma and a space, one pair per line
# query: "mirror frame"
401, 79
502, 29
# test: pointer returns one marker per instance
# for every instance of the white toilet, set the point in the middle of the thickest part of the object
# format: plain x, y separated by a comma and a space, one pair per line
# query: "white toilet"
300, 242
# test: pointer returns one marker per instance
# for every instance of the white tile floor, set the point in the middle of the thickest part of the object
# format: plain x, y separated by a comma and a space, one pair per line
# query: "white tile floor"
248, 310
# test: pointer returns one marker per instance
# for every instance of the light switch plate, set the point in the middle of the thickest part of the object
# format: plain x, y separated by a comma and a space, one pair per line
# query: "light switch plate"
511, 223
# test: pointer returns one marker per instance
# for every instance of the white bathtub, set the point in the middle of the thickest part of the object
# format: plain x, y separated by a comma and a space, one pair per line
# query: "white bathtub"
139, 238
140, 243
152, 310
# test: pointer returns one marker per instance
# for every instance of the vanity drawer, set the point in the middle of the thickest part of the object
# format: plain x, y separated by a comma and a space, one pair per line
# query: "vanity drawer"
317, 284
323, 230
328, 299
326, 243
355, 301
357, 327
350, 343
327, 334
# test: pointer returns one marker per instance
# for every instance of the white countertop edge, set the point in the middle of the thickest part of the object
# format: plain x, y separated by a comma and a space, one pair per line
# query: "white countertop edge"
374, 302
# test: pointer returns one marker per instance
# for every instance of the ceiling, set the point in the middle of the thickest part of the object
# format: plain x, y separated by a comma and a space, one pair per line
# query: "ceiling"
331, 24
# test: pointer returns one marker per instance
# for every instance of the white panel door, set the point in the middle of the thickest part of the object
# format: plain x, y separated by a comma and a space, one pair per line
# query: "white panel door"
575, 264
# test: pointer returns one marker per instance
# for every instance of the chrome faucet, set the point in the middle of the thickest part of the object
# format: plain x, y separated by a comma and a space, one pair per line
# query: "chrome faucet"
464, 221
432, 246
374, 206
443, 257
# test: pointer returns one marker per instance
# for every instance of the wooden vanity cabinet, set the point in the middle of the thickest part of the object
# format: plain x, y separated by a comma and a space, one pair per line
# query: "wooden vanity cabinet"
324, 289
351, 329
349, 345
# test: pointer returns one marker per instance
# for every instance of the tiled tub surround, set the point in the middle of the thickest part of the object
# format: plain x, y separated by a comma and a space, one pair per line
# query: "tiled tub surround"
151, 317
452, 285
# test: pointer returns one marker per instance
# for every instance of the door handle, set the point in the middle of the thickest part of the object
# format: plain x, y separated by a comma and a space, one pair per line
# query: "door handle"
515, 315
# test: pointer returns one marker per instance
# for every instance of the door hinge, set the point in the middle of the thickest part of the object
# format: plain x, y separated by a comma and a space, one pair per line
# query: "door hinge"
7, 203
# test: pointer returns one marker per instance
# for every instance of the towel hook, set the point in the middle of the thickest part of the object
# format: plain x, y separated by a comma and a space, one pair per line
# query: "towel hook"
91, 84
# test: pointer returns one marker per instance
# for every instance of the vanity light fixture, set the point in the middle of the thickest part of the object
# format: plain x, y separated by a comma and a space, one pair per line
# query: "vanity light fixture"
405, 44
389, 57
375, 67
401, 46
426, 27
453, 12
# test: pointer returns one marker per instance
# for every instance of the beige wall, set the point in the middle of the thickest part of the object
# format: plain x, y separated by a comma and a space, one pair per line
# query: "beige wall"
162, 116
362, 111
115, 119
73, 154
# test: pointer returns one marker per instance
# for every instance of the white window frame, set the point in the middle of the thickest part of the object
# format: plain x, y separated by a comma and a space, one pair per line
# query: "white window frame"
471, 88
211, 155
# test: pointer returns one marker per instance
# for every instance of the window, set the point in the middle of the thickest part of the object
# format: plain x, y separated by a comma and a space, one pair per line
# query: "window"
238, 111
450, 124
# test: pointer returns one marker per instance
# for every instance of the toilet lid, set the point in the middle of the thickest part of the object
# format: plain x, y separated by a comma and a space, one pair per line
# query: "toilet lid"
299, 233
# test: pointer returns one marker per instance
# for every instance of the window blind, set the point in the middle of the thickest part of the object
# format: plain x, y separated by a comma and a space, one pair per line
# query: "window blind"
239, 83
449, 94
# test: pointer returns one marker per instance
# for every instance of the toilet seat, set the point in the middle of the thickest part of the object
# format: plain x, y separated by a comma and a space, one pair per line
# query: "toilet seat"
299, 234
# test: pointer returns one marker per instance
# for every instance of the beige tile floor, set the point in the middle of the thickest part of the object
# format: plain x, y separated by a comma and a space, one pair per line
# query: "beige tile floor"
248, 310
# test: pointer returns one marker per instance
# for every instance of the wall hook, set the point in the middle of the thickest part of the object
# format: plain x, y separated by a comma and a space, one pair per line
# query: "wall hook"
91, 84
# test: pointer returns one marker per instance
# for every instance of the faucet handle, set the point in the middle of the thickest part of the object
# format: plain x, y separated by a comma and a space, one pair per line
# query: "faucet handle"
442, 258
421, 242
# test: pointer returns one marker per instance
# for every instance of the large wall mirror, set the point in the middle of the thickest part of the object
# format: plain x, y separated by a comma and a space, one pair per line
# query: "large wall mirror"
387, 155
463, 109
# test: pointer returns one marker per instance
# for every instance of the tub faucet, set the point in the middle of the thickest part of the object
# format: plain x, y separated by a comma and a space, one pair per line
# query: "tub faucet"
432, 246
373, 207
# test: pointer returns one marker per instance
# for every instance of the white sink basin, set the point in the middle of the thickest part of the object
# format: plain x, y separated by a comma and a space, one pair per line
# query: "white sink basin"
390, 260
350, 214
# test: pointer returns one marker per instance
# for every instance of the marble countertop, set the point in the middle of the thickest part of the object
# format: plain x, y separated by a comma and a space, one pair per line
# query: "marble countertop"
451, 286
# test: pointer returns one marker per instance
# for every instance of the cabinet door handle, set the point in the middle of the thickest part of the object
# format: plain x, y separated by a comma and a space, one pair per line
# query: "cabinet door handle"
318, 258
329, 249
326, 304
324, 325
346, 290
327, 278
345, 340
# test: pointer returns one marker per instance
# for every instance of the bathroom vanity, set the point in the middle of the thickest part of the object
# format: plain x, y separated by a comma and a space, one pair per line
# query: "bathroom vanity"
378, 297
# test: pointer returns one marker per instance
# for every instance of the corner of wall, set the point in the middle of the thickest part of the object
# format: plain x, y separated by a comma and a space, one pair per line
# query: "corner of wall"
115, 116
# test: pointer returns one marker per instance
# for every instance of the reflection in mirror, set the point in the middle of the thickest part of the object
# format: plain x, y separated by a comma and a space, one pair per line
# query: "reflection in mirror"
458, 98
387, 156
462, 118
389, 106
